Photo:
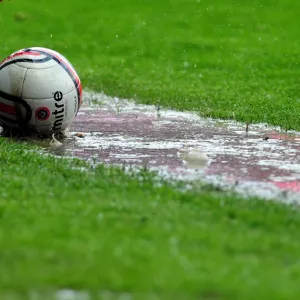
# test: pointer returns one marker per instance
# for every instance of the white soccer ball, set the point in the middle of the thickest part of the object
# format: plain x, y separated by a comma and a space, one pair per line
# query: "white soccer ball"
39, 90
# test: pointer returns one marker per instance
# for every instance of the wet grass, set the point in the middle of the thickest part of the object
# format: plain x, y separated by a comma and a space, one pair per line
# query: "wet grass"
222, 58
103, 230
99, 230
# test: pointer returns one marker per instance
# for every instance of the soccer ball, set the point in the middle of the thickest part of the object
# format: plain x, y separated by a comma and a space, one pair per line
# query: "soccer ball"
39, 91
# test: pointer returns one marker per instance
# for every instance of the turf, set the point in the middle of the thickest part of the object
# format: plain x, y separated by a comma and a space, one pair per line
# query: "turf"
122, 236
100, 230
227, 58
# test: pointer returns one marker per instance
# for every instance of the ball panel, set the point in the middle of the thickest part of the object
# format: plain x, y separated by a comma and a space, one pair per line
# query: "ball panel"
11, 80
67, 66
26, 58
39, 64
8, 113
14, 112
45, 129
16, 55
56, 55
52, 113
41, 84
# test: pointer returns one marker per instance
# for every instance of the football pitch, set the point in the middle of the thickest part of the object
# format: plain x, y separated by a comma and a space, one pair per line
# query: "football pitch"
72, 231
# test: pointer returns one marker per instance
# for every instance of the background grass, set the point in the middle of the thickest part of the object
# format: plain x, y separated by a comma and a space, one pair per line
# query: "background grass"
220, 58
103, 230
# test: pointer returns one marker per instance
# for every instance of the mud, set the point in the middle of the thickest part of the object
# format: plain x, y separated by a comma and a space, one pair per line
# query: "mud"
256, 160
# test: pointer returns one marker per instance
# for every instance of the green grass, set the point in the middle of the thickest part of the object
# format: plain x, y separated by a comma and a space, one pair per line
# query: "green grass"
103, 230
217, 58
100, 230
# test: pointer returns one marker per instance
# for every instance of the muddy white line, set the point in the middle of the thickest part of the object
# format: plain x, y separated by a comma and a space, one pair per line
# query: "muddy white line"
262, 162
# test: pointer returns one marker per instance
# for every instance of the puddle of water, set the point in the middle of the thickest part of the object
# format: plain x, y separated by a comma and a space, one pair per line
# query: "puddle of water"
183, 145
261, 162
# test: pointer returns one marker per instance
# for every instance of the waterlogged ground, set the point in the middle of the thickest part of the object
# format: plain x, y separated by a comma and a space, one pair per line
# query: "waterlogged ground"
254, 160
